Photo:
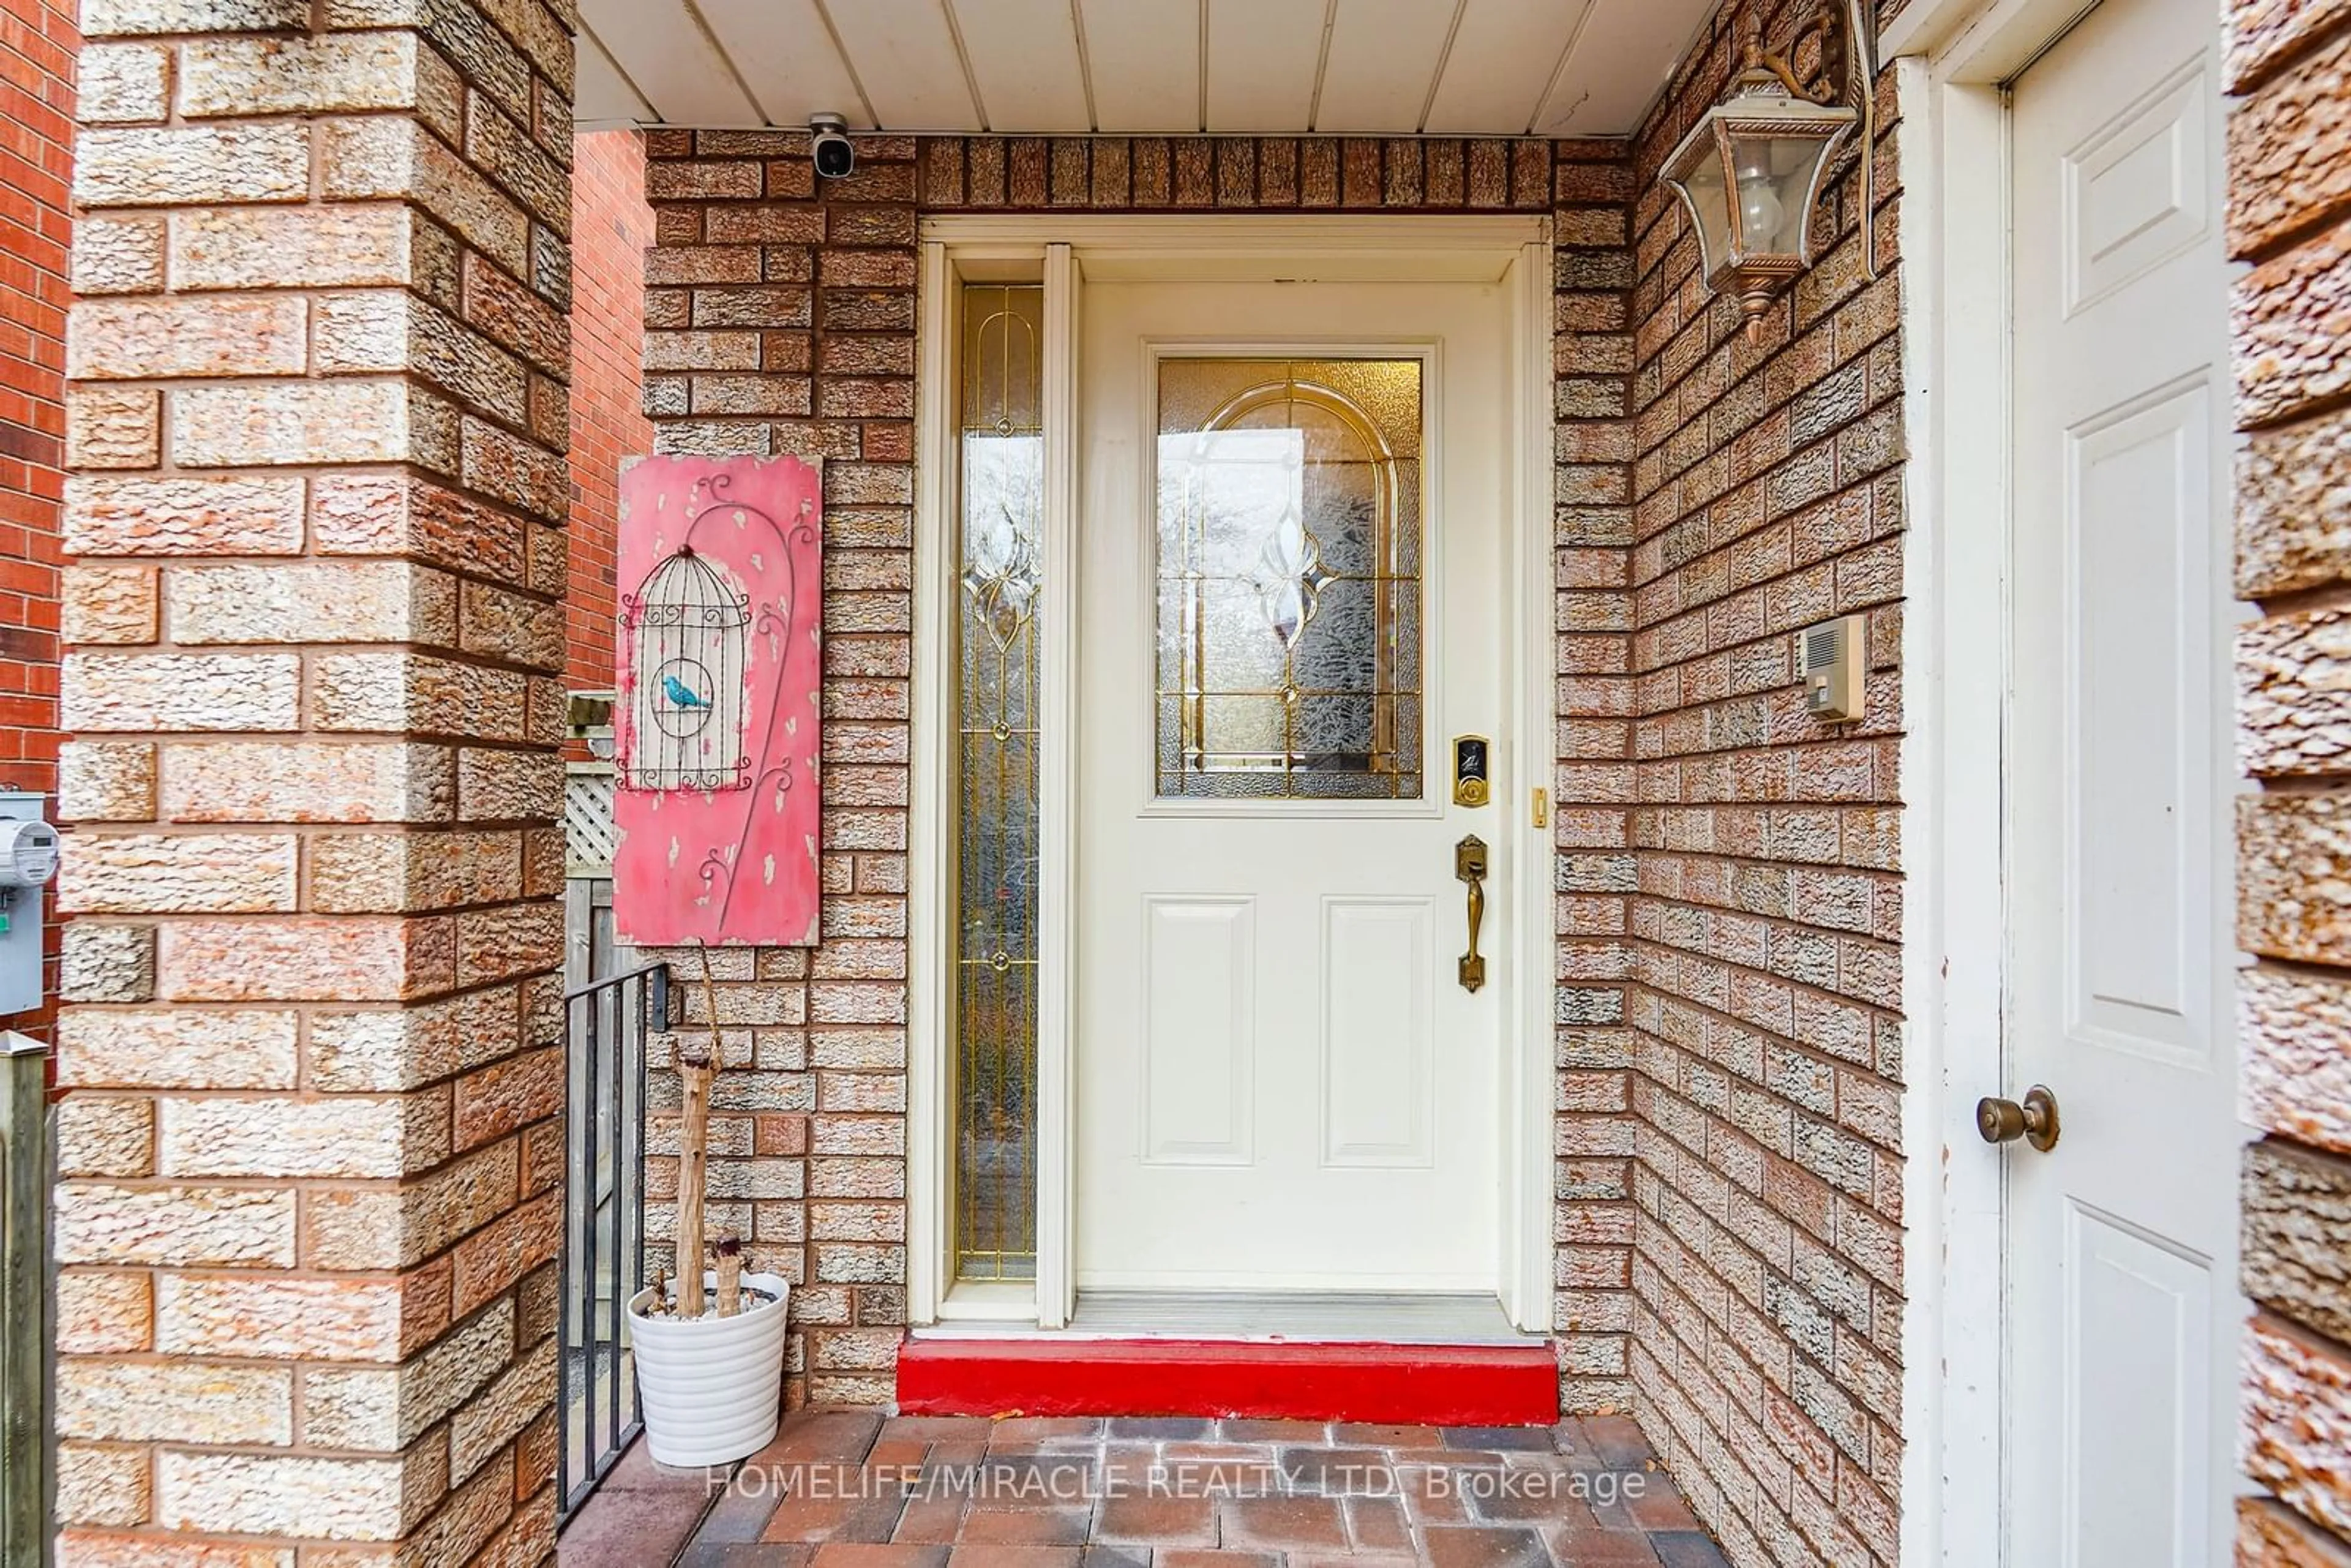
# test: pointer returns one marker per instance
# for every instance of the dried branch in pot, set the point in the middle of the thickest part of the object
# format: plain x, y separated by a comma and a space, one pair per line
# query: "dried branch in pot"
730, 1274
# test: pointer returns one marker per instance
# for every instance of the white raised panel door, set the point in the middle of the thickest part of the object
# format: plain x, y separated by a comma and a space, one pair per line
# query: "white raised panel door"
2121, 1240
1280, 1083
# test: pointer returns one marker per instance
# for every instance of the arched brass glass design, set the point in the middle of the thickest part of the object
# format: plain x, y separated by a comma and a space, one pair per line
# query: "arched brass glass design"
1002, 520
1288, 580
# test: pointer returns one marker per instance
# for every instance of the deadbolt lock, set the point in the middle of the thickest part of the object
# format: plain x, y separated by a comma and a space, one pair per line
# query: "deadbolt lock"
1472, 782
2004, 1121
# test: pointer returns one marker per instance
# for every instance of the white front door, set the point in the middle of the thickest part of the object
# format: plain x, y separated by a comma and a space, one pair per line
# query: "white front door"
1292, 513
2121, 1239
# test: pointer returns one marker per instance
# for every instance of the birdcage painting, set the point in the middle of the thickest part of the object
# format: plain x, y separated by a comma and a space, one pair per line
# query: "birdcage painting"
687, 626
718, 670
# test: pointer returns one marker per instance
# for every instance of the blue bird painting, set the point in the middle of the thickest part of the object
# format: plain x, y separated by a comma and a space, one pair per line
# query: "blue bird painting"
681, 694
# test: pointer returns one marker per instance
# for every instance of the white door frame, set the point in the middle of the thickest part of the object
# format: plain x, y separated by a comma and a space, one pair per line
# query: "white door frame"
1061, 251
1958, 172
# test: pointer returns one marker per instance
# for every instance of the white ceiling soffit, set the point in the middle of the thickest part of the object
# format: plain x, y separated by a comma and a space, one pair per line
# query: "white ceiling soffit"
1456, 68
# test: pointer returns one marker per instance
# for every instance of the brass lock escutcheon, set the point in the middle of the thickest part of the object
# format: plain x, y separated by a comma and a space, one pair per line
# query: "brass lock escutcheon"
1470, 865
2004, 1121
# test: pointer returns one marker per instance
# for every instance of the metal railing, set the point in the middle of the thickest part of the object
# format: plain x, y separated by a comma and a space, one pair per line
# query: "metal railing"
603, 1255
25, 1479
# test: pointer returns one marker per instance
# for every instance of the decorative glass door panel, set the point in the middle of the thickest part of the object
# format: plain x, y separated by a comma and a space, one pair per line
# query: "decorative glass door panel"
1289, 578
1003, 464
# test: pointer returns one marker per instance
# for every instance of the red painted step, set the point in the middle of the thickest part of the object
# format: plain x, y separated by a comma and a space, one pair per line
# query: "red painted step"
1436, 1385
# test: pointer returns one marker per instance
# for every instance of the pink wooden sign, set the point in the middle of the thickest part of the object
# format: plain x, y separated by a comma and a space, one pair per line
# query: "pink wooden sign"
715, 727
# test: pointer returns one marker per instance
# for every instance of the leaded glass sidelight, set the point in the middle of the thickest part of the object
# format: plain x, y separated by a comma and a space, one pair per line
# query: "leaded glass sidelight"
1002, 520
1288, 623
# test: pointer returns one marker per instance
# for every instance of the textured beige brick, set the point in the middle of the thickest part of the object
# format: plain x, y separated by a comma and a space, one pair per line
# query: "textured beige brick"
2294, 871
2290, 322
114, 427
2294, 694
511, 627
312, 602
500, 1098
2269, 1536
181, 691
297, 1497
112, 18
391, 691
369, 514
101, 1486
103, 1312
117, 255
2293, 505
107, 515
258, 1316
521, 471
384, 1409
349, 959
388, 331
525, 1393
142, 338
516, 318
105, 1135
382, 872
308, 781
335, 1135
304, 421
389, 156
2290, 152
107, 604
178, 874
508, 786
174, 1227
186, 1402
2295, 1031
302, 75
502, 150
102, 963
2296, 1421
179, 167
2297, 1235
261, 248
177, 1048
123, 84
387, 1228
2263, 33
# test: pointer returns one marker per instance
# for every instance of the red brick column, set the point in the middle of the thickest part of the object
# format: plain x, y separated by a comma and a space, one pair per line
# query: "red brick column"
607, 418
2290, 218
310, 1162
37, 41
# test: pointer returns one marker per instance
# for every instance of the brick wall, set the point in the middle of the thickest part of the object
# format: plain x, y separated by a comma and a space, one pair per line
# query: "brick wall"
1766, 490
2290, 220
37, 41
780, 317
612, 227
308, 1151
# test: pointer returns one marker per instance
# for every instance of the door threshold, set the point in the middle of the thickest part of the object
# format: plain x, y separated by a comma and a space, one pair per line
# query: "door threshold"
1270, 1317
1072, 1373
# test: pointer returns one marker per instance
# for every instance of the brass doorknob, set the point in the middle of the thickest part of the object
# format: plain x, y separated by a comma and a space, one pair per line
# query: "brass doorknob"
2004, 1121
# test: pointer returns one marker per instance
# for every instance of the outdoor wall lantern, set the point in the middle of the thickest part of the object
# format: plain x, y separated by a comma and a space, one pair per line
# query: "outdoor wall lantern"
1751, 171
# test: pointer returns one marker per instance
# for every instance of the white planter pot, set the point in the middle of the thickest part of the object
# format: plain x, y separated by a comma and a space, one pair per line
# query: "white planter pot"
711, 1388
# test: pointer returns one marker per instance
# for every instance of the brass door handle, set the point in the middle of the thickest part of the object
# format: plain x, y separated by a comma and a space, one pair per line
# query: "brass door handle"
2004, 1121
1470, 866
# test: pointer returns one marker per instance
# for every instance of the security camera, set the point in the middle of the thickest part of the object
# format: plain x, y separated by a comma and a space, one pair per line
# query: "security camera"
835, 155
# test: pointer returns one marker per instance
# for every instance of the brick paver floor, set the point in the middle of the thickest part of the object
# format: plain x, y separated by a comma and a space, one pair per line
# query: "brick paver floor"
850, 1489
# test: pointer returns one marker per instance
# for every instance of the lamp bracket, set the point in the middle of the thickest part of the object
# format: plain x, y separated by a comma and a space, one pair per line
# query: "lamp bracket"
1847, 73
